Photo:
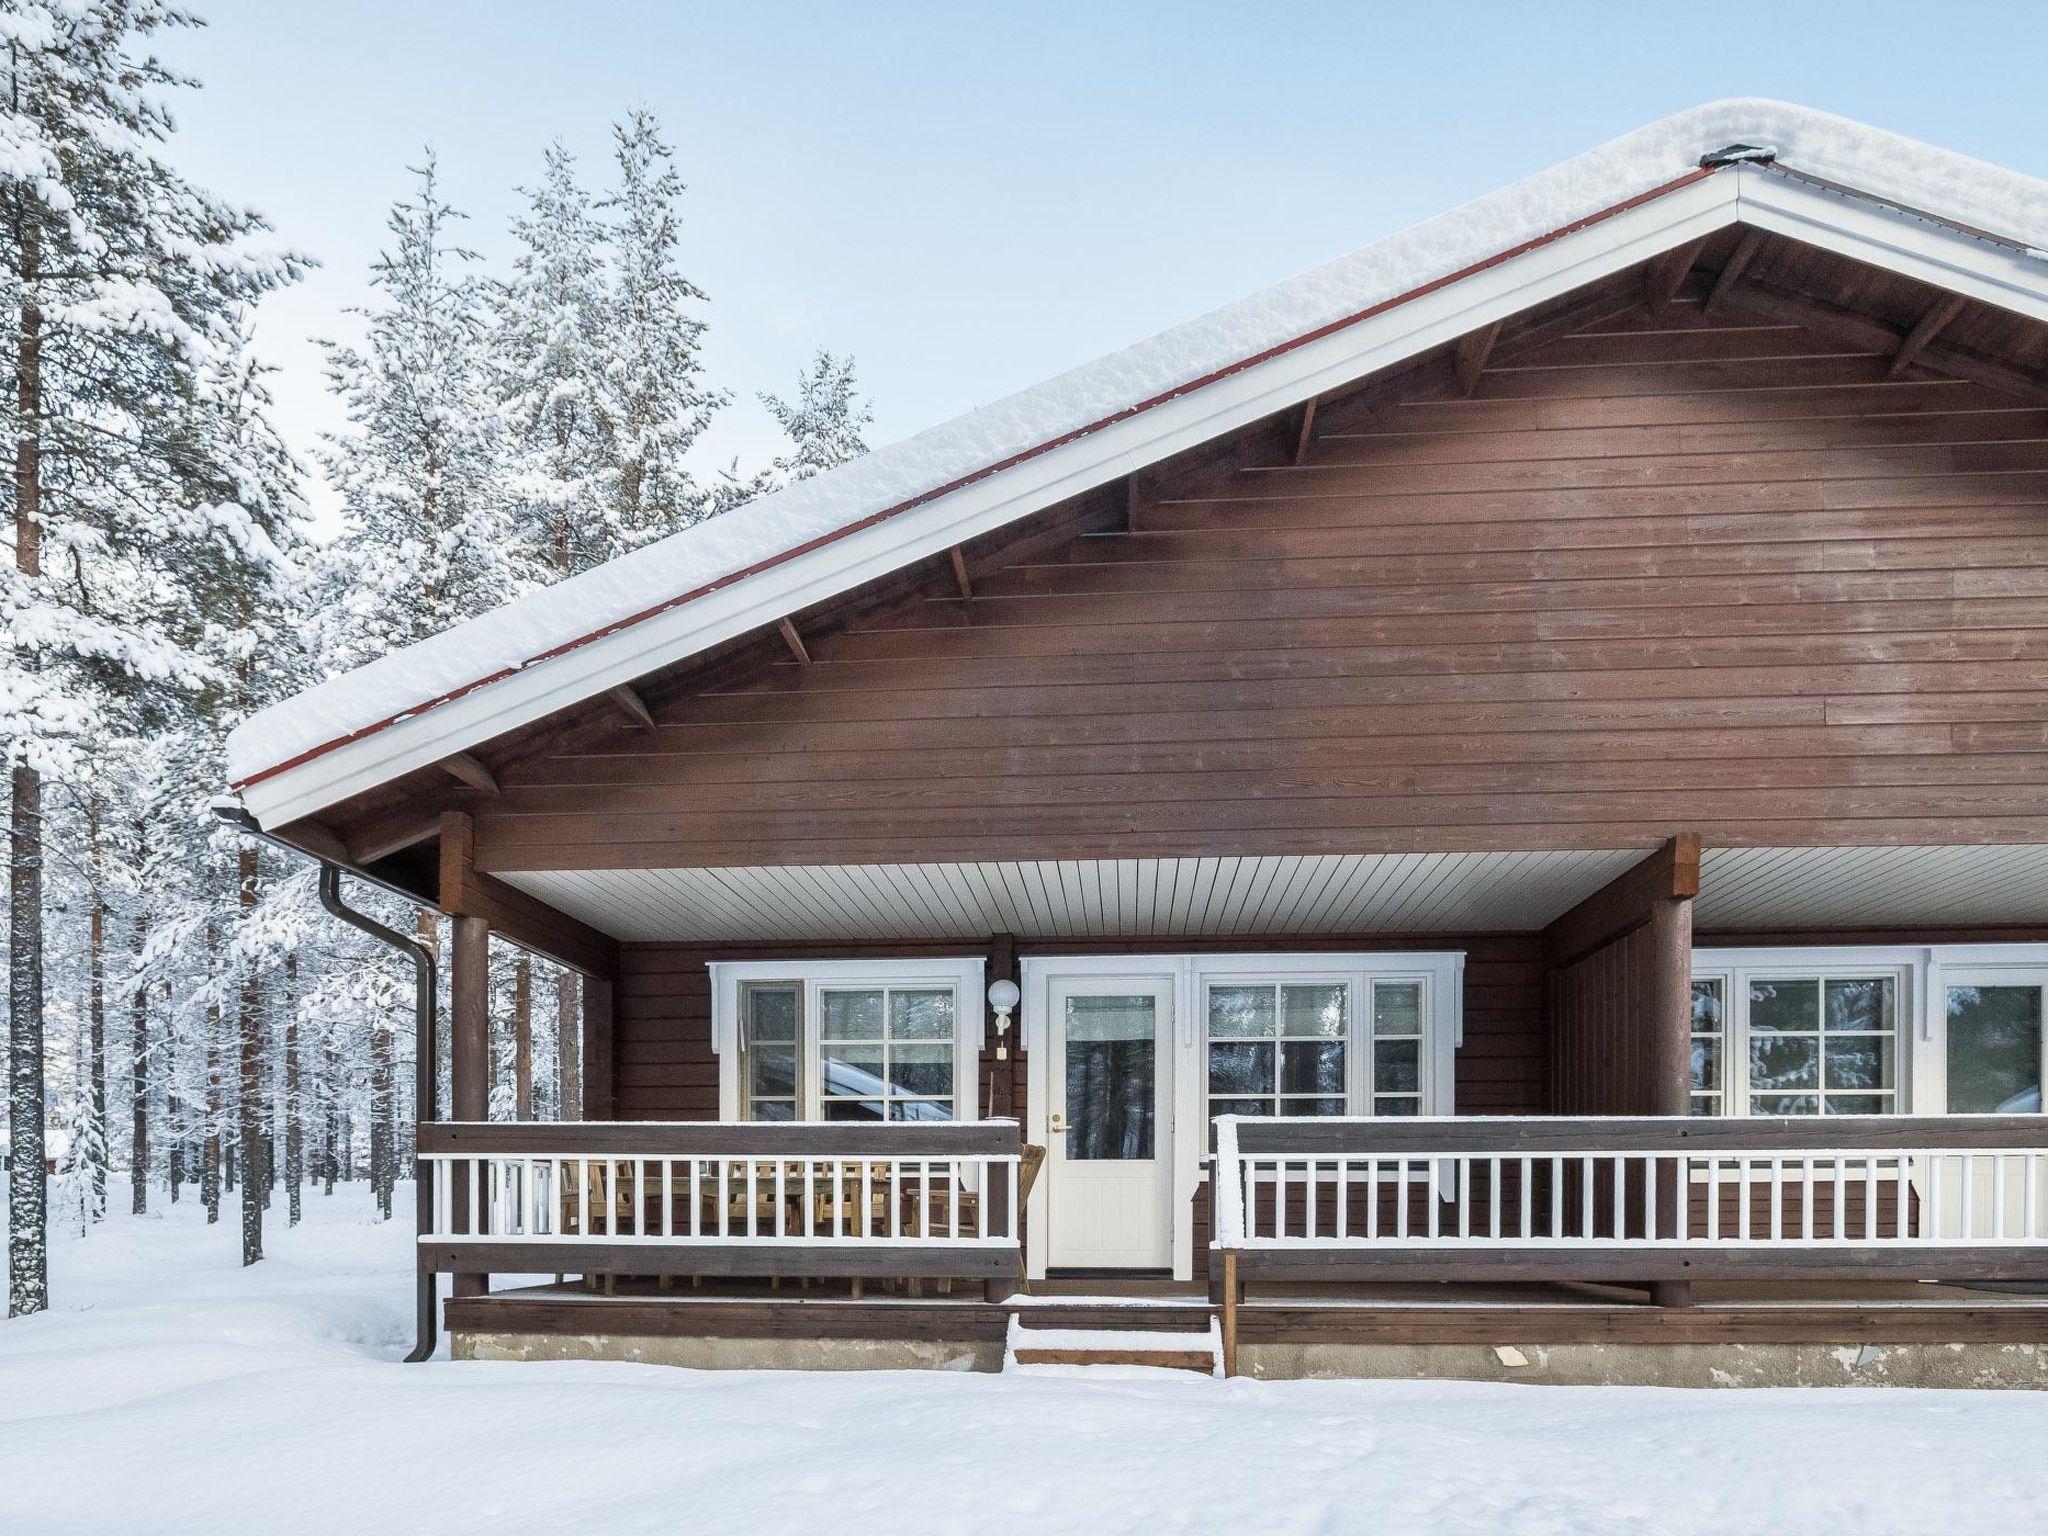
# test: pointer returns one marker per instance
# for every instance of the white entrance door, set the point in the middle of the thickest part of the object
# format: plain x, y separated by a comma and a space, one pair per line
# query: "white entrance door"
1109, 1117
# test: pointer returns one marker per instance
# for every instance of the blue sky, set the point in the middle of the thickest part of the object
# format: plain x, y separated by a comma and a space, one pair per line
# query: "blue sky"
972, 197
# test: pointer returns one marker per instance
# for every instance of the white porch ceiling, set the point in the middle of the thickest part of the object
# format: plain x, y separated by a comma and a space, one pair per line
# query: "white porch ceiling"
1327, 893
1741, 888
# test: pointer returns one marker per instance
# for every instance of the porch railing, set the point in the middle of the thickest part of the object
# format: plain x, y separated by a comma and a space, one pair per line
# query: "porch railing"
770, 1200
1953, 1197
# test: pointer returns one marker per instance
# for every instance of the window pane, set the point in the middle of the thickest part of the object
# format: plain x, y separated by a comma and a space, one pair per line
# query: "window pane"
921, 1015
1858, 1061
1397, 1008
850, 1015
1785, 1103
1706, 1005
853, 1109
851, 1072
1397, 1106
1311, 1106
1312, 1066
1994, 1050
1860, 1003
771, 1013
1706, 1065
921, 1109
1784, 1062
1397, 1066
923, 1070
1706, 1104
1859, 1104
1112, 1077
1784, 1005
1241, 1068
772, 1071
1235, 1012
1315, 1011
772, 1109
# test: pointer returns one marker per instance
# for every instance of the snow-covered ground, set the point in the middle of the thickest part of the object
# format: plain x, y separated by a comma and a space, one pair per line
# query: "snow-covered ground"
173, 1392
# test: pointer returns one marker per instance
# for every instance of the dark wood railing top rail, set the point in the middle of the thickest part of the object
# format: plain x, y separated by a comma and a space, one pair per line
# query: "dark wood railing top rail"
683, 1138
1563, 1134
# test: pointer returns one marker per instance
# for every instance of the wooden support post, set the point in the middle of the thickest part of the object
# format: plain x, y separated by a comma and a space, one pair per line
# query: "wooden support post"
1669, 1022
600, 1100
469, 1062
996, 1217
1230, 1312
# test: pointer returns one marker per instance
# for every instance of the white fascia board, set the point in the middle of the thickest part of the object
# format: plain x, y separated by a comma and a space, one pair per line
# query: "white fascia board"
1237, 400
1889, 238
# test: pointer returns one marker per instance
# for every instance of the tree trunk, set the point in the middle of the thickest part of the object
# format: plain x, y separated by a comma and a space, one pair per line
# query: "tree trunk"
334, 1126
382, 1172
138, 1078
294, 1123
96, 1015
28, 1213
210, 1169
249, 1131
522, 1038
569, 1045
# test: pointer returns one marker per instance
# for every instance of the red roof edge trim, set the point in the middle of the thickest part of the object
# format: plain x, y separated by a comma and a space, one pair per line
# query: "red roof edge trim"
1115, 418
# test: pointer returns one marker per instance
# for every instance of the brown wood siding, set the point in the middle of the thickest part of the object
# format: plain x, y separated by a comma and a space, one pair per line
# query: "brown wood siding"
1683, 573
1601, 1061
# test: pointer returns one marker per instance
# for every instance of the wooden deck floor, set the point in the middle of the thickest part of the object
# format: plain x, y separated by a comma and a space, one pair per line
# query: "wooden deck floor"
1876, 1313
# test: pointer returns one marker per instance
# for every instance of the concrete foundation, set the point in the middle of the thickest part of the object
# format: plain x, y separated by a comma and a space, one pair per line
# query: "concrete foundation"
1661, 1365
1643, 1365
726, 1354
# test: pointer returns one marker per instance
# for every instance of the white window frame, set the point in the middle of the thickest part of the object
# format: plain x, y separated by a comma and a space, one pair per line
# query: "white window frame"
1922, 1003
965, 975
1441, 971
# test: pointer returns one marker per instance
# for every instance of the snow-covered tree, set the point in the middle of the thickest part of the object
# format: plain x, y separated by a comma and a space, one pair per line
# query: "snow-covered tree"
826, 420
657, 398
419, 470
124, 289
551, 335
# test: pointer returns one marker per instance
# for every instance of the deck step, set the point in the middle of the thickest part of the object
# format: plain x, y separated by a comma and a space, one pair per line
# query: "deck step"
1165, 1349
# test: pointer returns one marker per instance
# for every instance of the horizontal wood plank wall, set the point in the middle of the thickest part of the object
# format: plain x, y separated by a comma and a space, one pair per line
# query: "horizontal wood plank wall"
1665, 572
666, 1070
1600, 1057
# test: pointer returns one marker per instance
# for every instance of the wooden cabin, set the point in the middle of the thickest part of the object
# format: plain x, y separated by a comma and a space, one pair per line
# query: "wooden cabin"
1483, 811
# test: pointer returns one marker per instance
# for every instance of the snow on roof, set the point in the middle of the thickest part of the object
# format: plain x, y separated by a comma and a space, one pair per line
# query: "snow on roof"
727, 550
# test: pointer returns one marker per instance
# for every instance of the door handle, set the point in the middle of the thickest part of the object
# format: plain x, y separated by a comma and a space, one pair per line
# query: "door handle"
1059, 1125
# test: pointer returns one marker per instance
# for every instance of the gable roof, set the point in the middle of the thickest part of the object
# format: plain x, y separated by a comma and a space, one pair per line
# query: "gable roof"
1891, 201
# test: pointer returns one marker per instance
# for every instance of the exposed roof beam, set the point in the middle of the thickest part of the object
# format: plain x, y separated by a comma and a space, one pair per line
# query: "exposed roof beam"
794, 641
1861, 330
381, 839
318, 839
960, 577
1471, 354
470, 770
1733, 268
1929, 326
627, 700
1668, 274
1307, 434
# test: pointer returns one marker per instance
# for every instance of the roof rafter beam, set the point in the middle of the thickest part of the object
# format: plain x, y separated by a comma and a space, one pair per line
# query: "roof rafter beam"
626, 699
1929, 326
1469, 357
794, 641
471, 770
1732, 269
1306, 435
1668, 274
960, 577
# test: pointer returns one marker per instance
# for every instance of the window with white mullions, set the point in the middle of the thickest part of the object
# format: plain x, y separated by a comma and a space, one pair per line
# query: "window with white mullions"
1397, 1047
1823, 1044
1709, 1044
886, 1053
1278, 1048
771, 1045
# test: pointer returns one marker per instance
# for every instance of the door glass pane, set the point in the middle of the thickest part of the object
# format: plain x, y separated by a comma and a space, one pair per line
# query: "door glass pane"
1994, 1050
1112, 1076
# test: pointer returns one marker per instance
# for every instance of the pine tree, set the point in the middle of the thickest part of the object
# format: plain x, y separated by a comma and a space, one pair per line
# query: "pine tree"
657, 402
551, 319
826, 420
426, 538
124, 286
